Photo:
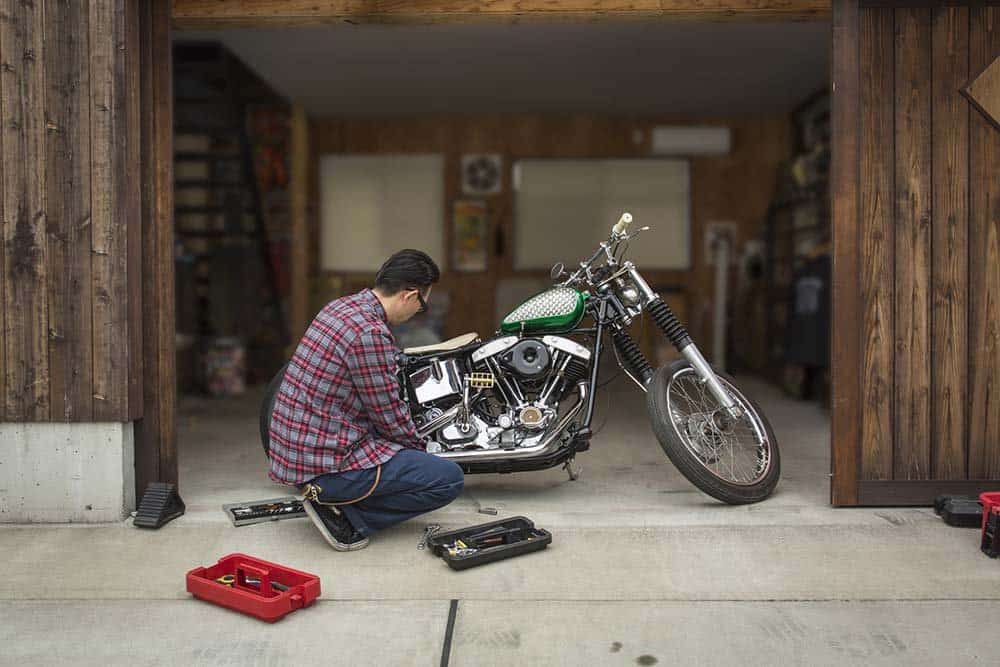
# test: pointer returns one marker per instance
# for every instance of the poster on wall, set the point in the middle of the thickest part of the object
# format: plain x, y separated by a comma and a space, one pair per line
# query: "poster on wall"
469, 242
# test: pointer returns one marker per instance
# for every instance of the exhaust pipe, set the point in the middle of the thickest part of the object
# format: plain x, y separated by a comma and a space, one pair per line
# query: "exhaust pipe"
548, 444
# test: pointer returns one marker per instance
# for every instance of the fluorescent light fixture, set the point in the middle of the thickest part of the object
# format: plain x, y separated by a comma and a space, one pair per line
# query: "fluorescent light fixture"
690, 140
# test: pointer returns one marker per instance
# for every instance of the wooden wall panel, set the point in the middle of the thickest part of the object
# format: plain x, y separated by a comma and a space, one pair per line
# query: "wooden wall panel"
68, 222
949, 241
736, 187
25, 261
877, 243
911, 459
68, 137
132, 219
108, 135
939, 252
984, 258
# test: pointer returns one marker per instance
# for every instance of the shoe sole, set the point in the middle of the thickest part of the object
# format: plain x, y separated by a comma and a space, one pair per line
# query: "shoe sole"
338, 546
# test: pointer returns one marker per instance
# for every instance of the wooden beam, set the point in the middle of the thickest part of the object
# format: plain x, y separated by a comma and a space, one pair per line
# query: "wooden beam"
207, 14
919, 493
156, 435
298, 253
844, 180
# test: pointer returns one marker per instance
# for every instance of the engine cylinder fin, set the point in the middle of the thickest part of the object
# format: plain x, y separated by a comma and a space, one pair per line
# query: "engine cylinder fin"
632, 356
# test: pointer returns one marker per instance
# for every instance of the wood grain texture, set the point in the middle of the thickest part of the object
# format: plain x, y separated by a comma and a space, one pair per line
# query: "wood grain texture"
108, 237
877, 243
299, 251
984, 92
67, 171
949, 241
156, 436
984, 262
207, 14
845, 362
25, 268
913, 244
132, 220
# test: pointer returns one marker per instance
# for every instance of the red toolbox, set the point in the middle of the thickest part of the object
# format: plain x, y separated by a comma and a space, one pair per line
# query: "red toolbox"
253, 586
990, 543
989, 500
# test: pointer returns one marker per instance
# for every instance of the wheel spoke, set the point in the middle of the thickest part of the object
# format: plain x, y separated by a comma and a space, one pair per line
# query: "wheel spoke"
736, 452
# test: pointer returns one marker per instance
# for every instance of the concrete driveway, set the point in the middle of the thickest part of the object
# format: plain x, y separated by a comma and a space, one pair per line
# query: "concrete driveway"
643, 569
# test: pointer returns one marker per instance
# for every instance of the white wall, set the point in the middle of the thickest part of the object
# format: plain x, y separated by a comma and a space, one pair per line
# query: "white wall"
563, 208
373, 205
56, 473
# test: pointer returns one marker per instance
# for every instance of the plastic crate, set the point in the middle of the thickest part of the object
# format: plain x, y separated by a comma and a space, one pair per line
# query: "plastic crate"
261, 599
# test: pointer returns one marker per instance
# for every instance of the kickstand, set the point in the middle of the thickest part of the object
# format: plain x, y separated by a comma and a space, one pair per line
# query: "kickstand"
573, 471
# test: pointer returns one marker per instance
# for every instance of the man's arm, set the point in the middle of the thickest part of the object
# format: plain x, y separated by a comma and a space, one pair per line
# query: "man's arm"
371, 359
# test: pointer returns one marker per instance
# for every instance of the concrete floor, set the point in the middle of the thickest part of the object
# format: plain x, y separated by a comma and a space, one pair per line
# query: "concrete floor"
643, 569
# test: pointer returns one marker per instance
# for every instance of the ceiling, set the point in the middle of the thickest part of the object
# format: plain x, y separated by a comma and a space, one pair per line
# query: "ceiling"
606, 67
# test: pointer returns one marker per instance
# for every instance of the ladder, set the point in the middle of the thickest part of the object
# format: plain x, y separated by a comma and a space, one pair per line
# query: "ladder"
219, 212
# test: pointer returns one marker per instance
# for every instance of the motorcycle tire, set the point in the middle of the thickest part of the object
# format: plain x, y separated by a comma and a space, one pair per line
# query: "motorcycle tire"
267, 408
687, 462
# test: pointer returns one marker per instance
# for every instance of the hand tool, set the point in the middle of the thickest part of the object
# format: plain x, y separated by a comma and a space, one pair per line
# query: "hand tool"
428, 531
230, 579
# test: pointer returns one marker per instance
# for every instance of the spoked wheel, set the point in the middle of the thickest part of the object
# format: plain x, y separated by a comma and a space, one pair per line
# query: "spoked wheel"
732, 459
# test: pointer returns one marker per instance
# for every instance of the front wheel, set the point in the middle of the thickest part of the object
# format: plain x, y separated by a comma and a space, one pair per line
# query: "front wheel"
734, 460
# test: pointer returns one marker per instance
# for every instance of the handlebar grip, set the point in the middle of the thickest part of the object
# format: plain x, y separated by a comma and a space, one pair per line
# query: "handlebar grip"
622, 223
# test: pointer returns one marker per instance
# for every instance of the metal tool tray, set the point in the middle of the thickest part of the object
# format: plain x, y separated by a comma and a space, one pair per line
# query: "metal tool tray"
537, 540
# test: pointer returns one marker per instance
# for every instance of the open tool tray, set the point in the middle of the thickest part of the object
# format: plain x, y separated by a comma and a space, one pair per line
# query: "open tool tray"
258, 587
518, 536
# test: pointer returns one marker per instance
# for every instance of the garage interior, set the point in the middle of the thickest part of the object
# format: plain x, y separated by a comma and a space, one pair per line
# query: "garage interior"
501, 149
846, 563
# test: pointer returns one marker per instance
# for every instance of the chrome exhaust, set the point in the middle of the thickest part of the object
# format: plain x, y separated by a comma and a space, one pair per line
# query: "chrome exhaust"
548, 444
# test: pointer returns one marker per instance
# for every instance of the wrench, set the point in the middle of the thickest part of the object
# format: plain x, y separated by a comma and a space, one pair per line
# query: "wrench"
428, 531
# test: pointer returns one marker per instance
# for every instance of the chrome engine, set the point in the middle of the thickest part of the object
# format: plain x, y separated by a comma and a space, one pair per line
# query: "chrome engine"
502, 400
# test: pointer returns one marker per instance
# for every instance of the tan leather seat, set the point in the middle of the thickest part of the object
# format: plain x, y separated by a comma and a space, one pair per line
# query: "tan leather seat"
445, 345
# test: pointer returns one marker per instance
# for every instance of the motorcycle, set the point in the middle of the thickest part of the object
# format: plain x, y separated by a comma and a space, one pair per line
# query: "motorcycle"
524, 399
504, 405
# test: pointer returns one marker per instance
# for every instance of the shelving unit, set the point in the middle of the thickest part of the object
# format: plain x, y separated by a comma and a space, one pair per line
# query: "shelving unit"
797, 243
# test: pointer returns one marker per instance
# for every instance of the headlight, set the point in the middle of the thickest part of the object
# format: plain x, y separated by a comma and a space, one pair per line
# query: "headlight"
630, 294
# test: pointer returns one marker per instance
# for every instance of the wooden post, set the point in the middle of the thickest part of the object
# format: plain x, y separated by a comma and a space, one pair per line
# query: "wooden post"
155, 433
298, 254
845, 352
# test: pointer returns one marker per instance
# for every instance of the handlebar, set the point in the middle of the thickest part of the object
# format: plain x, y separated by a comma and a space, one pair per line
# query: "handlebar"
622, 224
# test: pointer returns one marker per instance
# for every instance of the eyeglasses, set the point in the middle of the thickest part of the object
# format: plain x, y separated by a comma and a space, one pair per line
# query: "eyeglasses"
423, 304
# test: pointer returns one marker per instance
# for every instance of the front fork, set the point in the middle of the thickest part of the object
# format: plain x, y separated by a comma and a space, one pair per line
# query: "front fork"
679, 337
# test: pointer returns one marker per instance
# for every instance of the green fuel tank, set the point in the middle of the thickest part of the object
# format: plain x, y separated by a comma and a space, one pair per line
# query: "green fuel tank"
555, 310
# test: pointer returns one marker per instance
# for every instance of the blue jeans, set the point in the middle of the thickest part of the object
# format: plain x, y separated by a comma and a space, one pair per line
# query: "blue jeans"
412, 483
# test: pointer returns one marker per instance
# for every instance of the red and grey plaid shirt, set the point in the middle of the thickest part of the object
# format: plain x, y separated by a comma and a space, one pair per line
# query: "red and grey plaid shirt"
339, 406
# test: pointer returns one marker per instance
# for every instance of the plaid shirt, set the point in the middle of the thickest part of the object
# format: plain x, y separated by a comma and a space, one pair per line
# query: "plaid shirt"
339, 406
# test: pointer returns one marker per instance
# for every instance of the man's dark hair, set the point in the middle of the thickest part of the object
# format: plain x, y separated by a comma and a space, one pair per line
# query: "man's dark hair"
407, 269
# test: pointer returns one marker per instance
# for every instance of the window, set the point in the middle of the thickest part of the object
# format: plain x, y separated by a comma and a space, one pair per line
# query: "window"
564, 208
374, 205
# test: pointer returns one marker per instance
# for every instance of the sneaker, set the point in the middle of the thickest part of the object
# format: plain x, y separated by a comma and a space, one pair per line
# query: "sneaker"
334, 526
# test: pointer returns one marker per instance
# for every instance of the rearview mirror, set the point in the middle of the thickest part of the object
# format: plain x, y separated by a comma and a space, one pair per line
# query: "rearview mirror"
558, 270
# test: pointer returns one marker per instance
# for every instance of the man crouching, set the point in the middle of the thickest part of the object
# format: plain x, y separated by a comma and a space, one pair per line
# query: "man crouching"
339, 425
